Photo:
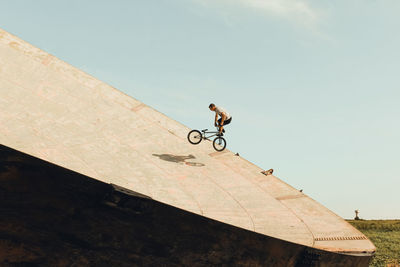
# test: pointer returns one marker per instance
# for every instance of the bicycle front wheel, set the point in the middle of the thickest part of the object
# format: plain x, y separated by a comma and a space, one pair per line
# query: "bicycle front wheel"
194, 137
219, 143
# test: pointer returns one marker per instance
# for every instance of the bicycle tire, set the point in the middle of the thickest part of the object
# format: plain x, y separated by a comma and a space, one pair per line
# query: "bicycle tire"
194, 137
219, 143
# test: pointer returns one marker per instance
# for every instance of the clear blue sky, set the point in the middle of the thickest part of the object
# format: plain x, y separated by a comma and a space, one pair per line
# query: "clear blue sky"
313, 86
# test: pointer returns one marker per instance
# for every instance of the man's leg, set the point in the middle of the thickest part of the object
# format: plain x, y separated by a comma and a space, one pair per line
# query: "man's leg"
226, 122
221, 129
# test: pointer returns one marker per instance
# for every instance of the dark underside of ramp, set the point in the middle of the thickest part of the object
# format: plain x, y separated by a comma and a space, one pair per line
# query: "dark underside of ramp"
51, 216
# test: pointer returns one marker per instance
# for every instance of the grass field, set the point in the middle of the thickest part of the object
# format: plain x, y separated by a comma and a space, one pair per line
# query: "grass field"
385, 234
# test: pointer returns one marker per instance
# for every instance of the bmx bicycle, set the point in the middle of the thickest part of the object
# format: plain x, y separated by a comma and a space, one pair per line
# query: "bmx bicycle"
195, 136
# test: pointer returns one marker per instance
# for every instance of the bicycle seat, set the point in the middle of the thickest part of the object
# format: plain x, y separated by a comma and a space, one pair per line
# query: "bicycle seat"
204, 130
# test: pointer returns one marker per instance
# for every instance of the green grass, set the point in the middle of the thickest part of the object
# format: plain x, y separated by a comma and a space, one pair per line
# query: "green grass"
385, 234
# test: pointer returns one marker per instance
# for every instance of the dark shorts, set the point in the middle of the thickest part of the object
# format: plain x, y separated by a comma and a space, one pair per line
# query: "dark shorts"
226, 122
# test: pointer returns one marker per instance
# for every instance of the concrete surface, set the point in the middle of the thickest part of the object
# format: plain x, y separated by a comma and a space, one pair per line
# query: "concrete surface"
57, 113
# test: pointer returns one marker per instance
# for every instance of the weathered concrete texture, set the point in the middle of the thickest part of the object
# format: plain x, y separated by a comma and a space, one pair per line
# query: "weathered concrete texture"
55, 217
57, 113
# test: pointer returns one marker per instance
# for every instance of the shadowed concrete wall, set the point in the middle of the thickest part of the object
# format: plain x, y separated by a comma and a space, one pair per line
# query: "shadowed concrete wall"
51, 216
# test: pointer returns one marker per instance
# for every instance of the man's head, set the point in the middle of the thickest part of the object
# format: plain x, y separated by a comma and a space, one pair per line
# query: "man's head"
211, 107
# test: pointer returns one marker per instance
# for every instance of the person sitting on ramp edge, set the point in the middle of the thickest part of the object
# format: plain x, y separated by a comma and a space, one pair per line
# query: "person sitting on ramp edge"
225, 119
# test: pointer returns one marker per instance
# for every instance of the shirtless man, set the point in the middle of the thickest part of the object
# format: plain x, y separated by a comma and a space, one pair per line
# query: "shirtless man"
225, 119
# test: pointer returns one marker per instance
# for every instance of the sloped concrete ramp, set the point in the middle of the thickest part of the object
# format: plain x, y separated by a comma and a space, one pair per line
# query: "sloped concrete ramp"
57, 113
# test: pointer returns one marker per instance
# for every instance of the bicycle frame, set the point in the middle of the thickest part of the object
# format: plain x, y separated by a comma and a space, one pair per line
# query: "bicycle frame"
204, 132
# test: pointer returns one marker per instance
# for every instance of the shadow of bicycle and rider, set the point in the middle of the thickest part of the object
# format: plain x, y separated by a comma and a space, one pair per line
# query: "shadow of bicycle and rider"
179, 159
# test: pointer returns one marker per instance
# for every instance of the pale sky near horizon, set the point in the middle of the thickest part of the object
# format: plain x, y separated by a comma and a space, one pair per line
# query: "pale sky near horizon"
313, 86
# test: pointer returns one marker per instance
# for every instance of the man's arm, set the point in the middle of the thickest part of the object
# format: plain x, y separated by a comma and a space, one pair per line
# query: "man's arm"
216, 118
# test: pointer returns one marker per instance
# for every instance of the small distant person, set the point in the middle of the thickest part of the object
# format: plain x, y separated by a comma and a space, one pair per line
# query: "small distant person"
225, 117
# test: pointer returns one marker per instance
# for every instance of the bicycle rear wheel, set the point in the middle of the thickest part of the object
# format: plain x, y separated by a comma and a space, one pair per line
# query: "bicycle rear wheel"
219, 143
194, 137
